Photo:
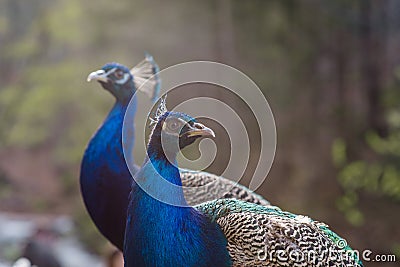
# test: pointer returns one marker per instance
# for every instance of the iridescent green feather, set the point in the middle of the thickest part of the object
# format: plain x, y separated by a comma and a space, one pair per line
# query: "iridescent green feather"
221, 208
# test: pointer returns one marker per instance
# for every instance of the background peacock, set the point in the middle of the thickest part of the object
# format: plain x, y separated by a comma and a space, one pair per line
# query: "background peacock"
105, 179
222, 232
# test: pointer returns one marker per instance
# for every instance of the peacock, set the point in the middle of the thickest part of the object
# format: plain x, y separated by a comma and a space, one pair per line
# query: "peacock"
223, 232
105, 179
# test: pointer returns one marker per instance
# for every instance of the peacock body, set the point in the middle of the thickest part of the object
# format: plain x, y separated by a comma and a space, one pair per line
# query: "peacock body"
163, 234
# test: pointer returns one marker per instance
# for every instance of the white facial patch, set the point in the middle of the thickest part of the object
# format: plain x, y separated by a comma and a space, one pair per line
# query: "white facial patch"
174, 132
123, 79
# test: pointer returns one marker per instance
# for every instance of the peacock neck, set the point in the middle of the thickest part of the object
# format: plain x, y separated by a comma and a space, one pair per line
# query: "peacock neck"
105, 179
166, 168
164, 234
161, 181
120, 108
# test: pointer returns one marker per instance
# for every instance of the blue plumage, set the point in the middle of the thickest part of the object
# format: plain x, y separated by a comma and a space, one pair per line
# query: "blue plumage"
160, 234
105, 179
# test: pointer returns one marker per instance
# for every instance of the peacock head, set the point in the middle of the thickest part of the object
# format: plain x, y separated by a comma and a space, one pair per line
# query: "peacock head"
173, 131
115, 78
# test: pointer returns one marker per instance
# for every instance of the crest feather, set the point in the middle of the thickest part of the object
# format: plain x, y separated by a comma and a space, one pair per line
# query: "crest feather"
145, 77
161, 109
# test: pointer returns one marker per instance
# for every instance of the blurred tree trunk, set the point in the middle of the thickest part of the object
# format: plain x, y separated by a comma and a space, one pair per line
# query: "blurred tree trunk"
372, 44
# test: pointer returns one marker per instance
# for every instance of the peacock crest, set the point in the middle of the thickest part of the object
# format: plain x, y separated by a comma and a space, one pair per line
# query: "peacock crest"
161, 109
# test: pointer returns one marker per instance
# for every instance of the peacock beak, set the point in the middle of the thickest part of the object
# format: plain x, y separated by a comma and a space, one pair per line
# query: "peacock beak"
199, 130
98, 75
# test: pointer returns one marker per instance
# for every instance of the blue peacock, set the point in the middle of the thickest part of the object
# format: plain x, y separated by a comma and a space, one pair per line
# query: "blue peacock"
105, 179
223, 232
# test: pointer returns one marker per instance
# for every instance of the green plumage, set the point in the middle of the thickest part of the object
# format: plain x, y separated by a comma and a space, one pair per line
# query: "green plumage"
257, 234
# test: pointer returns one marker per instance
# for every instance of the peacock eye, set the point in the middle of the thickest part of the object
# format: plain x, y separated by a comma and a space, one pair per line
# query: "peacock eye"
119, 74
173, 125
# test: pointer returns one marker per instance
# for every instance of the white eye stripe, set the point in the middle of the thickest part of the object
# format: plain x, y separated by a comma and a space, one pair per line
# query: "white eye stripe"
166, 129
124, 79
183, 121
180, 123
110, 71
120, 81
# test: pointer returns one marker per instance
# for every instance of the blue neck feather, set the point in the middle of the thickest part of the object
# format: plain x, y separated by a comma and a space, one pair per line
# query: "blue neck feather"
105, 178
159, 234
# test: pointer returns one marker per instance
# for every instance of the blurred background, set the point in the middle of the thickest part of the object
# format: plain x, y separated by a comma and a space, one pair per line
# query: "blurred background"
329, 69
